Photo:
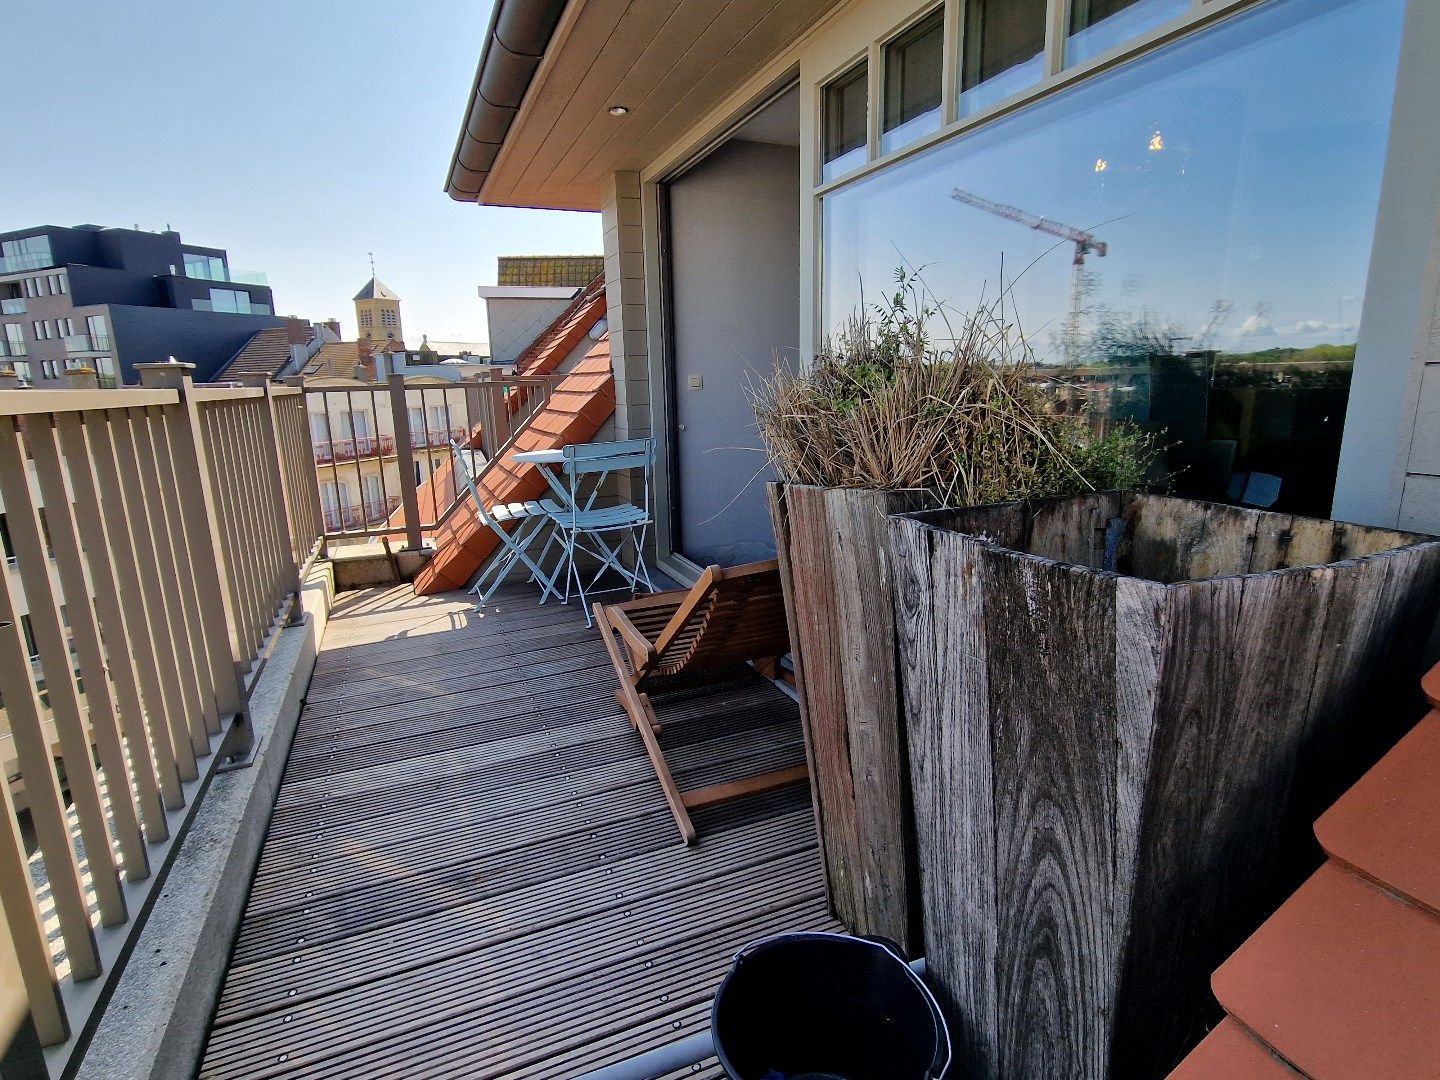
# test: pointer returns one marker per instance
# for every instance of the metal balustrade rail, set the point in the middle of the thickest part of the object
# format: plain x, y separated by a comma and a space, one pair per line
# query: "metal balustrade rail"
383, 445
158, 535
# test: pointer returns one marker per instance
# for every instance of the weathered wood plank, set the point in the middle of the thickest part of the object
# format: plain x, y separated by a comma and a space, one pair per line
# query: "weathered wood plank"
940, 622
879, 759
1073, 530
1050, 639
811, 591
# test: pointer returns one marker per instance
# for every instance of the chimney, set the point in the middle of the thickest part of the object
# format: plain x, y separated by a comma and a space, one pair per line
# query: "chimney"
334, 326
297, 331
82, 378
9, 380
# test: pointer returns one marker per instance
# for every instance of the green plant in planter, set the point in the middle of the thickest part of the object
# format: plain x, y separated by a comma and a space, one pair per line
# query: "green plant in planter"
885, 406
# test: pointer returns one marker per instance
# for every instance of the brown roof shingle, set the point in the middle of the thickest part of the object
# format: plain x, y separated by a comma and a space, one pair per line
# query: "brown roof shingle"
266, 353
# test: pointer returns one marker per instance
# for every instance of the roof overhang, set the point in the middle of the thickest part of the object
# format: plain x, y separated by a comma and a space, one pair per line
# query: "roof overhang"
527, 292
539, 130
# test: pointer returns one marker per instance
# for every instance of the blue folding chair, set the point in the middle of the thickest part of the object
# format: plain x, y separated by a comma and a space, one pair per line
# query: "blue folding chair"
600, 531
529, 519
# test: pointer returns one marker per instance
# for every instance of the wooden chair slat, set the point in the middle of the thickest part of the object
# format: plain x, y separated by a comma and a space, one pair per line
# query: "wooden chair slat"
729, 617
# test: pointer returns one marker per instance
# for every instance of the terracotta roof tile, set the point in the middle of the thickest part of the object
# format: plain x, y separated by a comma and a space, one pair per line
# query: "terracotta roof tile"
577, 407
1388, 825
1343, 981
338, 359
559, 339
1232, 1053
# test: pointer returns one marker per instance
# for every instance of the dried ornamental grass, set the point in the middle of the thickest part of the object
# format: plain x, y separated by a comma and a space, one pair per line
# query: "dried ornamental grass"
880, 408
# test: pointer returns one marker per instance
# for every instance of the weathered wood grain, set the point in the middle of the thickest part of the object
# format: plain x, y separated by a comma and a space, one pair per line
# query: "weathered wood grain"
1073, 530
1114, 778
836, 569
810, 590
944, 676
1050, 640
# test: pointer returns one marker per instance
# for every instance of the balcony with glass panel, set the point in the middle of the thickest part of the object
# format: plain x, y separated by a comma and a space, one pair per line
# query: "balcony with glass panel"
232, 307
13, 305
15, 264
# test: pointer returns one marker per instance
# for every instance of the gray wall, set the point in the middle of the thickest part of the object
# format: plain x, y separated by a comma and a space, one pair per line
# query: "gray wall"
204, 338
734, 222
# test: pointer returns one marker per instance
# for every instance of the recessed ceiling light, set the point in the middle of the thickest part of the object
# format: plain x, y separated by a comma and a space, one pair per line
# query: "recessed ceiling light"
618, 110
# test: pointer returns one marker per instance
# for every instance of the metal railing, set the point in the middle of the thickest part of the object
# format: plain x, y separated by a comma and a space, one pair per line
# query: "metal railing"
408, 427
179, 518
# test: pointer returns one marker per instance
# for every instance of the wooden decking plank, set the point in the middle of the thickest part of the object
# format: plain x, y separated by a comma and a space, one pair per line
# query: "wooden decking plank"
471, 871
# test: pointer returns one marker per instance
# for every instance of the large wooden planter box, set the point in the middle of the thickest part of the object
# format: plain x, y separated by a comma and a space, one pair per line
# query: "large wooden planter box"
1115, 774
834, 561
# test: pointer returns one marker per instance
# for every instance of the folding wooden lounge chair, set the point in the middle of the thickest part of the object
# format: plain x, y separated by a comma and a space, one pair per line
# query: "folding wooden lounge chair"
691, 637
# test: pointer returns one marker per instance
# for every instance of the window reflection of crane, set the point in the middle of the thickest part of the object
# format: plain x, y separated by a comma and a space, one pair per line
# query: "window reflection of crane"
1085, 243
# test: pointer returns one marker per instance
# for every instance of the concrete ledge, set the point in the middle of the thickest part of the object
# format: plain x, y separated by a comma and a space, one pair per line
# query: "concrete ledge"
157, 1018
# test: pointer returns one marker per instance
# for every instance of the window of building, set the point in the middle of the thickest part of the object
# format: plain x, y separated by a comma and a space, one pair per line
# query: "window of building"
49, 370
97, 330
1098, 25
15, 339
22, 368
25, 253
1003, 52
374, 498
365, 323
1225, 312
206, 267
67, 326
914, 64
232, 301
388, 318
62, 284
845, 111
32, 287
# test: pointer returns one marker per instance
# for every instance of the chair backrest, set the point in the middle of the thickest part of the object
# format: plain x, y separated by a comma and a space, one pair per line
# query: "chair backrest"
462, 470
588, 465
730, 616
582, 458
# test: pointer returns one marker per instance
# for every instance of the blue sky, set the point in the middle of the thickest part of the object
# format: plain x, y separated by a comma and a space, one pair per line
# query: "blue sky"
299, 134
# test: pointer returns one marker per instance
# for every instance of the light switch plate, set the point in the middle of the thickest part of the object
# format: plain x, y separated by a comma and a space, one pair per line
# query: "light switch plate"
697, 382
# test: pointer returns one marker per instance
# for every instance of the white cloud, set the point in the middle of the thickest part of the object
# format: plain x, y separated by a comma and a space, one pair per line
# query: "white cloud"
1256, 326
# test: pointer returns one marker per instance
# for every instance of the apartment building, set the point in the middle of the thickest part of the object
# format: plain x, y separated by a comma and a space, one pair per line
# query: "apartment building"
108, 299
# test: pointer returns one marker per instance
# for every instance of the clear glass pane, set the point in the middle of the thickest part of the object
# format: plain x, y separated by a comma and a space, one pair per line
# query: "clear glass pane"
1233, 177
1003, 50
846, 105
914, 64
1098, 25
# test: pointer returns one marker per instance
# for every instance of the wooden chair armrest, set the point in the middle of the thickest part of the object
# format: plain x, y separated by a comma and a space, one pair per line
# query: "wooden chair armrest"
642, 649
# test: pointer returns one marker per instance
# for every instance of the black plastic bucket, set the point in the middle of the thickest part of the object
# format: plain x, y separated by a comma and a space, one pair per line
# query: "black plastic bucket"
827, 1007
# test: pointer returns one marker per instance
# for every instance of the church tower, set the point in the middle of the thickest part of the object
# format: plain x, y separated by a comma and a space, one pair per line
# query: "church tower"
377, 314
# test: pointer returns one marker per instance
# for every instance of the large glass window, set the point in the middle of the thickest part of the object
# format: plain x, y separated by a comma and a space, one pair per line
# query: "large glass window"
1002, 52
206, 267
15, 339
914, 63
1233, 178
1097, 25
846, 104
25, 253
98, 331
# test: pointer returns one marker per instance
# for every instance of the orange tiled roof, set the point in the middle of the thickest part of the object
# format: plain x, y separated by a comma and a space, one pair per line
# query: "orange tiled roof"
577, 407
559, 339
1343, 981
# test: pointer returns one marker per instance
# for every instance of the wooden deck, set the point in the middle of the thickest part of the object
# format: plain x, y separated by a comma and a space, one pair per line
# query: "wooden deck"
471, 870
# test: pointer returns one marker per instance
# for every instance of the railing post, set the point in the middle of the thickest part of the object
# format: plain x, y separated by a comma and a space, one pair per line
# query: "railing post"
405, 460
285, 523
312, 490
192, 469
